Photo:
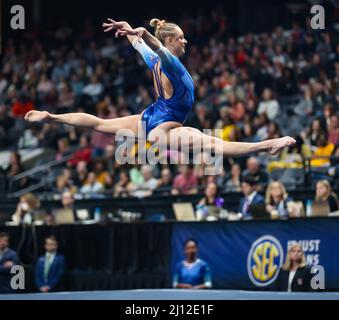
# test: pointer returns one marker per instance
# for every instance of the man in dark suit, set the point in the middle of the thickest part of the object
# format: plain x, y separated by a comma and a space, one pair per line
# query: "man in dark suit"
253, 168
251, 196
8, 259
50, 268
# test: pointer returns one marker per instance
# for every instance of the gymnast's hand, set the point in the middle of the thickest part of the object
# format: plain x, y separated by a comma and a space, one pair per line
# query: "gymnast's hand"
123, 28
37, 116
117, 25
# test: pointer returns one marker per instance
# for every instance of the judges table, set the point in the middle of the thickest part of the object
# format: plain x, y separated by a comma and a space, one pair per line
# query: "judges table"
241, 254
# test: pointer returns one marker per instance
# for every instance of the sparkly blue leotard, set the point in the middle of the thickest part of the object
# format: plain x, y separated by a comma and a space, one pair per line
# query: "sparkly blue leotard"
179, 105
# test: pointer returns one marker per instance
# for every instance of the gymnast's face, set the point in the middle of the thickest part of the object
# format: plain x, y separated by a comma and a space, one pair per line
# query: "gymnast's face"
191, 250
177, 42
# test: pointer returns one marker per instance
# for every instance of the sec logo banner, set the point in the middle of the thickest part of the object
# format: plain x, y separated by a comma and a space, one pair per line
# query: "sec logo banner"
264, 260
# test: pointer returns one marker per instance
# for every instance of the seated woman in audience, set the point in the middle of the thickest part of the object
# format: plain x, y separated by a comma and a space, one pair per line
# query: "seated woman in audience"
323, 193
92, 187
102, 174
124, 187
192, 273
233, 184
210, 205
277, 200
312, 133
64, 148
294, 274
27, 209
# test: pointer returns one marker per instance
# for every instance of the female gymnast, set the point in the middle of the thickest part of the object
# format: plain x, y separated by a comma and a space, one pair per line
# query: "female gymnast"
175, 90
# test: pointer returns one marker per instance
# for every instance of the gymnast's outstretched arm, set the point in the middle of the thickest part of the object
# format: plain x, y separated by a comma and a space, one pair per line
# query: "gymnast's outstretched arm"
146, 44
123, 28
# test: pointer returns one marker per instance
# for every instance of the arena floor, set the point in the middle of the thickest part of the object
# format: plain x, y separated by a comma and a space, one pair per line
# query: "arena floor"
172, 294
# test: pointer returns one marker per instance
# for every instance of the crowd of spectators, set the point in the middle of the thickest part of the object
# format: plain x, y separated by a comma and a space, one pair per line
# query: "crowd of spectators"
251, 87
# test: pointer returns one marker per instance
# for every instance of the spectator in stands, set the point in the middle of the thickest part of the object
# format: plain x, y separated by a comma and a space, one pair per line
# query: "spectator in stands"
294, 275
45, 86
6, 124
200, 173
8, 259
324, 193
109, 156
27, 210
29, 138
305, 106
165, 182
92, 186
328, 112
221, 179
253, 169
22, 105
149, 184
49, 135
14, 159
211, 204
81, 174
323, 152
333, 130
233, 183
63, 148
49, 220
268, 104
248, 133
226, 124
66, 213
50, 268
261, 123
249, 186
83, 154
124, 187
277, 200
273, 130
14, 168
237, 108
105, 110
94, 89
186, 182
311, 135
136, 175
63, 184
192, 273
102, 175
65, 98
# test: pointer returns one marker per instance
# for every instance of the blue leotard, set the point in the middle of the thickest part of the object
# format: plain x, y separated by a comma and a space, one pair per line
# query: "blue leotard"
179, 105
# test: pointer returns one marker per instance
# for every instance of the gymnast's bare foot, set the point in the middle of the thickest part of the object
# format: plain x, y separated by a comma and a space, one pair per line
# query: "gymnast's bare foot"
37, 116
275, 145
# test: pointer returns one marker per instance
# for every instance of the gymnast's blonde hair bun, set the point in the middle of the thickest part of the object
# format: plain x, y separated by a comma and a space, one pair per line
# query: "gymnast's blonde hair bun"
157, 23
